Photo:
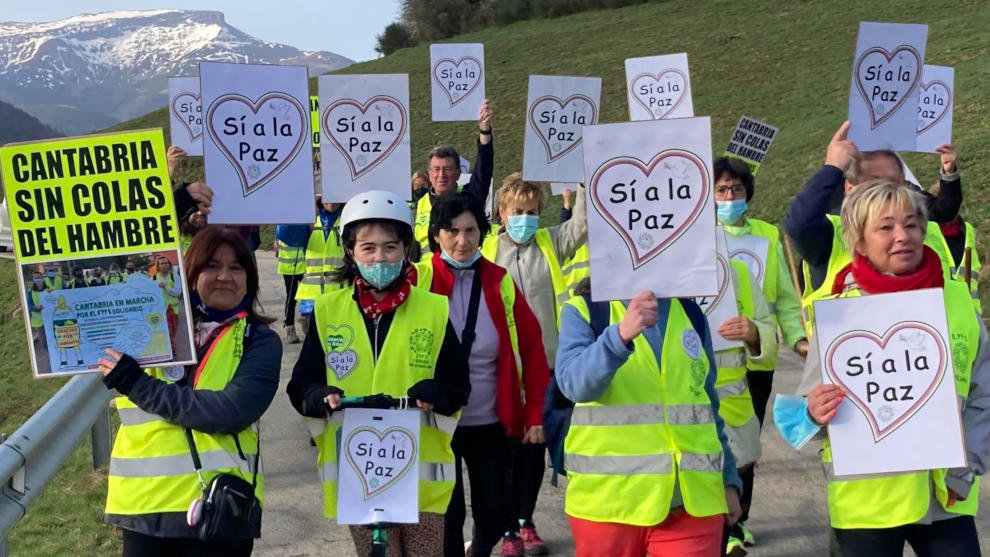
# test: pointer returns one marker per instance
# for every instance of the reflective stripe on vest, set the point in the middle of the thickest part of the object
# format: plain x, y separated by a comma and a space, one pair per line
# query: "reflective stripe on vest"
151, 469
323, 256
652, 427
291, 261
408, 356
489, 249
890, 500
577, 267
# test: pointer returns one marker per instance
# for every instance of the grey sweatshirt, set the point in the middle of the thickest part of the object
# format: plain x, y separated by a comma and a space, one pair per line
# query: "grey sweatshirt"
531, 273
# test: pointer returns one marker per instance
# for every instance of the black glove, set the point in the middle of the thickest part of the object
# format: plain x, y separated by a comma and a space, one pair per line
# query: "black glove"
123, 375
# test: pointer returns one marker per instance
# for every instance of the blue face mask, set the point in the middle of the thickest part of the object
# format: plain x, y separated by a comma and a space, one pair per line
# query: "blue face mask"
790, 414
729, 212
457, 264
51, 274
522, 227
39, 282
380, 273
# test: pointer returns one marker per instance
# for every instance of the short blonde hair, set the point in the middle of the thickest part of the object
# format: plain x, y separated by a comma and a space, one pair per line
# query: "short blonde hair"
868, 199
515, 189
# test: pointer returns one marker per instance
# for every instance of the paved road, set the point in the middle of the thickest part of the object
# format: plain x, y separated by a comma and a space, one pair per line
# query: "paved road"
788, 518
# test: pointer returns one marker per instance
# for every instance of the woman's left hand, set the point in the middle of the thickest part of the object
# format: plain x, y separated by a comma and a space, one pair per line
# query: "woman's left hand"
739, 328
534, 435
108, 362
735, 509
427, 406
953, 498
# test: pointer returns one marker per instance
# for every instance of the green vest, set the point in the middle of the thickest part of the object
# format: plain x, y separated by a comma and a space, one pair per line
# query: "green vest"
652, 428
151, 468
185, 240
291, 261
421, 228
323, 256
896, 499
114, 279
766, 230
170, 300
840, 257
577, 268
489, 249
735, 402
408, 356
958, 272
36, 319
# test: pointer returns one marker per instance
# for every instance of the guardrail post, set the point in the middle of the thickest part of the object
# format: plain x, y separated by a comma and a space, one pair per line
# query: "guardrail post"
100, 436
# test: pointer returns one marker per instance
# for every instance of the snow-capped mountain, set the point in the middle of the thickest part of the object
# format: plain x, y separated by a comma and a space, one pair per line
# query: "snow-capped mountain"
117, 64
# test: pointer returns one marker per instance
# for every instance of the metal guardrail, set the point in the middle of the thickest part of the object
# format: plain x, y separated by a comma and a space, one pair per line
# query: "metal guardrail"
31, 456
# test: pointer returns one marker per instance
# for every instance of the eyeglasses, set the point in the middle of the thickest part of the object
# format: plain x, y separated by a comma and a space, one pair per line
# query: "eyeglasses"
444, 169
736, 189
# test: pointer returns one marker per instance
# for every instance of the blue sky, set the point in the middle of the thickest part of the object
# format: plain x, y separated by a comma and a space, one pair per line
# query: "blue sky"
345, 27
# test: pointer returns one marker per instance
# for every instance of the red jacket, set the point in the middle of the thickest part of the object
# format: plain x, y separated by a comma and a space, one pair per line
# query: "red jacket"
535, 373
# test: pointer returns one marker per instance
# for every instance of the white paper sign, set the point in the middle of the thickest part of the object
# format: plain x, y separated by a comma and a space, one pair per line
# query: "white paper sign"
752, 251
659, 87
651, 219
721, 306
257, 143
883, 95
751, 141
458, 81
465, 177
557, 109
558, 188
378, 467
185, 114
890, 352
365, 134
935, 101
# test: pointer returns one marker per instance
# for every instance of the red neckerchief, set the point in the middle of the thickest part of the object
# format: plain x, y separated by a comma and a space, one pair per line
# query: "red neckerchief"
928, 275
393, 297
953, 228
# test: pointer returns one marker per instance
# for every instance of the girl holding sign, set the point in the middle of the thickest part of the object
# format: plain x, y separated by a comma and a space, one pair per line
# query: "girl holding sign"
380, 335
932, 510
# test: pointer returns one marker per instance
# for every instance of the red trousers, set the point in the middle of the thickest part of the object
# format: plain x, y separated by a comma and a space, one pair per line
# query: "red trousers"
680, 535
172, 319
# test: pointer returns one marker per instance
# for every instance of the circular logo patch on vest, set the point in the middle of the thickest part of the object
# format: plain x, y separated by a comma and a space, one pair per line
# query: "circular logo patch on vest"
691, 342
174, 372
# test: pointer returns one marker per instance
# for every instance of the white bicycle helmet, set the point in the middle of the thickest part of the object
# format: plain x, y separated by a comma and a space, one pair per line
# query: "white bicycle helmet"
376, 204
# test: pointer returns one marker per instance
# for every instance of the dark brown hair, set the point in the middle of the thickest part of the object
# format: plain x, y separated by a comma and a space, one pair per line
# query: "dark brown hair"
206, 243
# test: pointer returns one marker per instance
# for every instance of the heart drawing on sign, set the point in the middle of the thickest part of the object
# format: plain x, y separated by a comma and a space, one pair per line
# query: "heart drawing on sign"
458, 82
365, 134
192, 120
890, 377
750, 259
259, 138
711, 302
558, 123
650, 205
933, 104
660, 94
380, 459
884, 87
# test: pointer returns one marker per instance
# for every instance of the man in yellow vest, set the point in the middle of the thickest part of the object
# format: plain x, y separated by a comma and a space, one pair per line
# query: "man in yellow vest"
324, 254
53, 277
34, 291
445, 169
813, 223
290, 250
648, 464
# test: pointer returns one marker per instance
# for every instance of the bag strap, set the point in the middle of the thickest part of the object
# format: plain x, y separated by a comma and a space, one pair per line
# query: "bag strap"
467, 334
198, 464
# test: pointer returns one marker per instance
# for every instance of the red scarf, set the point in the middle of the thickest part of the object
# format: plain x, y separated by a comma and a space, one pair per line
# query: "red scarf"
928, 275
952, 228
394, 296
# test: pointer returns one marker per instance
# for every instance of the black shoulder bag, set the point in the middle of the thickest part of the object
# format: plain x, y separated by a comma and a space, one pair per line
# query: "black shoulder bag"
228, 509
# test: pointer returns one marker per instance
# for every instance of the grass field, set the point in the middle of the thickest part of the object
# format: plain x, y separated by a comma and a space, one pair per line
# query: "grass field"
783, 62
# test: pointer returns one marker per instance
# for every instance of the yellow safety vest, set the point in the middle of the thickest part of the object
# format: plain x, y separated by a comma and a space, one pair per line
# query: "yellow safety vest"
421, 227
408, 356
841, 256
151, 467
735, 402
489, 249
36, 319
654, 426
185, 240
958, 272
291, 261
323, 256
115, 279
577, 268
170, 300
896, 499
53, 284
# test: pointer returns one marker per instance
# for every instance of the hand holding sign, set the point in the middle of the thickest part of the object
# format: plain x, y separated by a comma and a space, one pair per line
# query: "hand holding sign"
173, 158
948, 157
740, 329
641, 314
823, 402
841, 151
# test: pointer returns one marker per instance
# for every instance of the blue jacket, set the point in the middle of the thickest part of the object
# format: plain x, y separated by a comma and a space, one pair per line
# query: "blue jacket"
586, 365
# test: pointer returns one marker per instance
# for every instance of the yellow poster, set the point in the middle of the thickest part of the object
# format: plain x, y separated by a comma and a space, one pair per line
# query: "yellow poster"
314, 115
89, 196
